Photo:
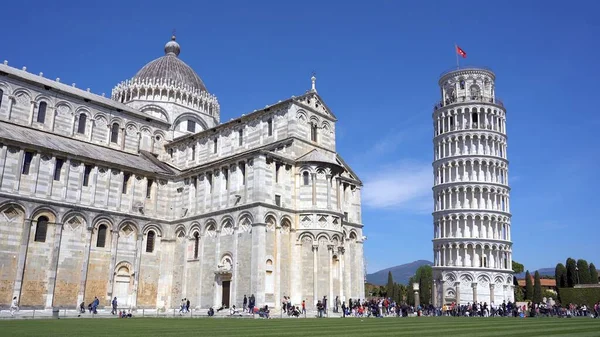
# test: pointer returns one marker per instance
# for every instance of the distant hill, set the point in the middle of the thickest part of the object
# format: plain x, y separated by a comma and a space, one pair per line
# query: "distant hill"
400, 273
542, 271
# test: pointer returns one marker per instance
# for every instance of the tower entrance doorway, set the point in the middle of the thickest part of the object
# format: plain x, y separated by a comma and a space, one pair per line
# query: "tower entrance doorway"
225, 293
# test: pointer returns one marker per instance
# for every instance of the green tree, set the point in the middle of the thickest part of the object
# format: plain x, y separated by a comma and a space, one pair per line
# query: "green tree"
389, 289
584, 272
410, 294
528, 287
571, 266
519, 296
560, 274
517, 267
593, 274
537, 288
424, 276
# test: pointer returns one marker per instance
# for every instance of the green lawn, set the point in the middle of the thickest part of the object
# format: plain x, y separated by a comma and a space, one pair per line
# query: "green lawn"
422, 326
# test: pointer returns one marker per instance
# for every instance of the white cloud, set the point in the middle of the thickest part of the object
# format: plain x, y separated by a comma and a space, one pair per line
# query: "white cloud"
405, 185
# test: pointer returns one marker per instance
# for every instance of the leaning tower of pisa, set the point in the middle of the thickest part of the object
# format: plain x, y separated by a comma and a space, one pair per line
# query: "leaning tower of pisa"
471, 239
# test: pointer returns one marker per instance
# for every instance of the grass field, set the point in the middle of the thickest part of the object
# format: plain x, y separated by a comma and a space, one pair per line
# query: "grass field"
423, 326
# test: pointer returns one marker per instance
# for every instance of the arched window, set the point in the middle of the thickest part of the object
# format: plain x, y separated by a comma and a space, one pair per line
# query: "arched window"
462, 84
313, 132
101, 239
41, 115
196, 244
114, 133
305, 178
191, 125
1, 95
270, 127
474, 91
41, 228
150, 241
82, 122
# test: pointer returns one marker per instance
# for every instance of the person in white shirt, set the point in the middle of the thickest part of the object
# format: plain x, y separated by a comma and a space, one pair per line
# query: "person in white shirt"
14, 307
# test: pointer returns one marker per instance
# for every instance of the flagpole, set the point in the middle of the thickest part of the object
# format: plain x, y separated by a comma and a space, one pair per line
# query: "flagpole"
456, 52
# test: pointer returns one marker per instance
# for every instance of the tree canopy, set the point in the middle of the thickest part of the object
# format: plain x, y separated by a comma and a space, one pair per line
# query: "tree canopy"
571, 272
593, 274
583, 271
560, 274
537, 288
528, 287
517, 267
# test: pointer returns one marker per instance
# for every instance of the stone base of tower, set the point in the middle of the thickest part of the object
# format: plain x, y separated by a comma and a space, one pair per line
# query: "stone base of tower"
477, 285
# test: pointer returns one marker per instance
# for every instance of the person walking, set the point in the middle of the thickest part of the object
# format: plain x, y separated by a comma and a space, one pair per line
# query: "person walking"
244, 304
114, 306
14, 306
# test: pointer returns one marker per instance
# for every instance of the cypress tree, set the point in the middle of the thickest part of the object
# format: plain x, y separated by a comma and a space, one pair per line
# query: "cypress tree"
425, 279
571, 266
389, 289
537, 288
560, 274
410, 294
584, 272
528, 287
593, 274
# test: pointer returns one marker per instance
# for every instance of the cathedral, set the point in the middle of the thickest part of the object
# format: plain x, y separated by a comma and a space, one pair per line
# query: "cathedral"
147, 197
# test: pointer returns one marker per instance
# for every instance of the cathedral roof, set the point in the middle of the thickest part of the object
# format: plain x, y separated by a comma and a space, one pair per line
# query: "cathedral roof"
40, 139
171, 69
316, 156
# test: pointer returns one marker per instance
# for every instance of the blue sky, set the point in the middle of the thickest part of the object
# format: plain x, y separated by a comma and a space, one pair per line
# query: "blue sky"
377, 65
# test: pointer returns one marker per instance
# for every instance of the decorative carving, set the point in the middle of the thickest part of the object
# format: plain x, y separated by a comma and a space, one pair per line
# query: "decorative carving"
63, 109
75, 222
22, 98
226, 265
127, 230
11, 213
227, 229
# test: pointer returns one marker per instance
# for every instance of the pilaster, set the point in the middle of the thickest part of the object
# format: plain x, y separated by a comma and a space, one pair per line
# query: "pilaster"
53, 268
258, 261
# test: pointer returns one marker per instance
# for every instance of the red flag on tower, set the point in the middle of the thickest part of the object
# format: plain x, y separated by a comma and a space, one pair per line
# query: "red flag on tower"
461, 52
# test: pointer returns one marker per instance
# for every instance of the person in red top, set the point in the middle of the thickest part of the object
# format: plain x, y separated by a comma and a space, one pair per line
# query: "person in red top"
304, 307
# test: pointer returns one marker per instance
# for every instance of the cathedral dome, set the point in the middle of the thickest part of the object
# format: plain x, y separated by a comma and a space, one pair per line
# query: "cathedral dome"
171, 68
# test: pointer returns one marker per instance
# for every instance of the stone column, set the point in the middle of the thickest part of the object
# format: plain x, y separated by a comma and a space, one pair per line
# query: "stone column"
295, 269
3, 149
84, 267
123, 139
258, 261
136, 269
113, 260
95, 182
27, 227
341, 272
457, 291
53, 113
442, 286
37, 159
474, 287
53, 268
31, 112
91, 129
277, 280
66, 180
435, 293
331, 298
17, 182
329, 182
491, 293
416, 290
314, 188
315, 250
